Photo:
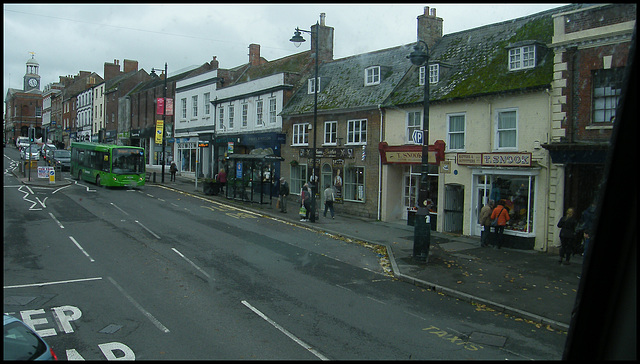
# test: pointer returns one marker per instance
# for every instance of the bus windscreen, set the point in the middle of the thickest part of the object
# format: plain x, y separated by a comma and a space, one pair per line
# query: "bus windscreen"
127, 161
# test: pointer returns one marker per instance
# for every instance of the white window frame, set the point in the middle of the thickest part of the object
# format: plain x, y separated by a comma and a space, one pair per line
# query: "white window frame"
499, 130
521, 58
353, 189
184, 108
413, 122
300, 135
245, 115
434, 74
311, 85
221, 119
231, 115
259, 112
372, 76
273, 105
451, 132
207, 103
356, 134
330, 133
194, 106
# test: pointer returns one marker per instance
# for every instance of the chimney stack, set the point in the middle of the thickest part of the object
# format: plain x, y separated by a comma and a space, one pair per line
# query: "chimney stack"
254, 54
111, 70
214, 63
325, 39
130, 66
429, 27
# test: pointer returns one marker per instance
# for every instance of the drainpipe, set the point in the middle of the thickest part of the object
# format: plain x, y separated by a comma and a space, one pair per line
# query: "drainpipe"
380, 165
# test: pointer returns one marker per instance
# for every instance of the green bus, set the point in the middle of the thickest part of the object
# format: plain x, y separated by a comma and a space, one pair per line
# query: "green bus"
108, 165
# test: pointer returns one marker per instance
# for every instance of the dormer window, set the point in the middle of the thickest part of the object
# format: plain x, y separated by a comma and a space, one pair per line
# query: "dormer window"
311, 87
522, 57
434, 74
372, 76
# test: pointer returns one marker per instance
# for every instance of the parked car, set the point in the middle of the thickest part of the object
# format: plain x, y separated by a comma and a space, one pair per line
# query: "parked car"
32, 151
22, 343
60, 158
22, 142
45, 147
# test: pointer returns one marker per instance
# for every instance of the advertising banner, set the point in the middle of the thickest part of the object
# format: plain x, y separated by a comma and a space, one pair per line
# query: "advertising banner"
159, 131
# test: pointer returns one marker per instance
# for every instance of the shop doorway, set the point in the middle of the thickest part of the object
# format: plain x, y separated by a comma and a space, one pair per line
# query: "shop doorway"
453, 208
409, 190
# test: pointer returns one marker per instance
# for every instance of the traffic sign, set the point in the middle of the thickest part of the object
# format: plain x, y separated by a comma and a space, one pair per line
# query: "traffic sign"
417, 136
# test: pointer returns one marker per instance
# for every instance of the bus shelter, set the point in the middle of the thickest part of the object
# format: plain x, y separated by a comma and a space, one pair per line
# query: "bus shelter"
252, 177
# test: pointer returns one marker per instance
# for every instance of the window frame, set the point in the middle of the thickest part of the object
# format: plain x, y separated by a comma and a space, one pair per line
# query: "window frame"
352, 184
451, 133
311, 85
194, 106
273, 110
184, 107
519, 56
221, 119
608, 80
300, 135
356, 137
498, 130
434, 74
259, 112
245, 114
330, 132
231, 115
410, 128
372, 76
206, 98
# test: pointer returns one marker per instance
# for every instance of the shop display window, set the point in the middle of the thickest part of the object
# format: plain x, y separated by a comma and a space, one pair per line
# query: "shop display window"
517, 192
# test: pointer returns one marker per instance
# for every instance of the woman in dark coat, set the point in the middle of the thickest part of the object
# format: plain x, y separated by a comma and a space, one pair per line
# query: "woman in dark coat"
568, 225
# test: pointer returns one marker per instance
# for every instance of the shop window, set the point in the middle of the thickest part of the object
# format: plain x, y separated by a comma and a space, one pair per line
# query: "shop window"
354, 184
298, 177
518, 193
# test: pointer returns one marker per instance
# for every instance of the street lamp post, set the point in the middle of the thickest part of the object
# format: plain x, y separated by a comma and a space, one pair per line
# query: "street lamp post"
297, 40
422, 226
164, 115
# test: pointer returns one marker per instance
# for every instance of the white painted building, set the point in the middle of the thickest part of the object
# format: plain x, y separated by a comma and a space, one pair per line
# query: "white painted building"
97, 122
84, 114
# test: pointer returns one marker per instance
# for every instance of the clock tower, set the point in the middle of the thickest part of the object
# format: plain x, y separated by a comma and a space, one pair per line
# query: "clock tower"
31, 77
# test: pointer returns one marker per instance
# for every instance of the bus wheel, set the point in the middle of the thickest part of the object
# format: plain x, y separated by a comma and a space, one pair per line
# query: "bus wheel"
80, 175
98, 181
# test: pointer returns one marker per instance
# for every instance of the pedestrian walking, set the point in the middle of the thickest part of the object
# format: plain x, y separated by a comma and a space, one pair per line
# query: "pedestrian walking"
485, 222
221, 177
568, 225
305, 199
329, 198
282, 194
586, 226
502, 215
173, 169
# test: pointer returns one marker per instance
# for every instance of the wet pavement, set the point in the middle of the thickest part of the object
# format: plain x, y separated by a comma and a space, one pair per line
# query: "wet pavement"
523, 284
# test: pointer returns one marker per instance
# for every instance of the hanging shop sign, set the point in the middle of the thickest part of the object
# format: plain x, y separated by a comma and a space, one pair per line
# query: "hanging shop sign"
410, 154
494, 159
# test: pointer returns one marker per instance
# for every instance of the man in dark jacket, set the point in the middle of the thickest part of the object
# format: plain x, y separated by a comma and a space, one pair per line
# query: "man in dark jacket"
568, 225
282, 194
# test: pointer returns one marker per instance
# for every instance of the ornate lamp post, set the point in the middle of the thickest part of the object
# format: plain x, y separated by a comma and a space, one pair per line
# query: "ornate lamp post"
422, 226
297, 40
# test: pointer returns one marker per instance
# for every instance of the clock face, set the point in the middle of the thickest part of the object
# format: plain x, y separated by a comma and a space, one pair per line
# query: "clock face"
33, 82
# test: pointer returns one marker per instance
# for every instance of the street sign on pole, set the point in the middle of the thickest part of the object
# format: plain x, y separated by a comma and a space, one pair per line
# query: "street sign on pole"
417, 137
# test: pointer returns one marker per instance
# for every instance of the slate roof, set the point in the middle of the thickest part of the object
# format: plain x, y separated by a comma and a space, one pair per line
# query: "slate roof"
475, 62
296, 63
342, 82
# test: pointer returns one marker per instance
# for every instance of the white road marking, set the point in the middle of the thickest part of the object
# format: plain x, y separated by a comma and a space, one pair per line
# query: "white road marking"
153, 320
56, 220
150, 232
190, 262
121, 210
81, 249
52, 283
284, 331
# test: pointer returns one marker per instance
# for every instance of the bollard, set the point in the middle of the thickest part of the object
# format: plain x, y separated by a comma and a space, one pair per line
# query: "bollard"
154, 177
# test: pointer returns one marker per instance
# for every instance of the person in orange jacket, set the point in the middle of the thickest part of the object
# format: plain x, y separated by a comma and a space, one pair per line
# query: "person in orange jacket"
502, 214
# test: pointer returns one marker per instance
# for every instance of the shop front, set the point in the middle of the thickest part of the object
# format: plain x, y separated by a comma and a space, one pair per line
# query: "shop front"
402, 170
512, 179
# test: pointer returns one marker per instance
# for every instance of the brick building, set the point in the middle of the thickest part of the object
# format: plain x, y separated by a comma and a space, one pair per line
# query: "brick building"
591, 47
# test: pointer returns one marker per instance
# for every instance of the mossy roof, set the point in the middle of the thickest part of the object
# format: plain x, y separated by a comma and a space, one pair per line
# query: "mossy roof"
475, 62
342, 83
295, 63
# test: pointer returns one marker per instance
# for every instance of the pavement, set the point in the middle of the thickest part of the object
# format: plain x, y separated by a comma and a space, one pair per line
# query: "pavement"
521, 284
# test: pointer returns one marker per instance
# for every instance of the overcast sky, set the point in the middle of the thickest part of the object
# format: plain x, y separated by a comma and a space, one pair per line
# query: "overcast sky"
68, 38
